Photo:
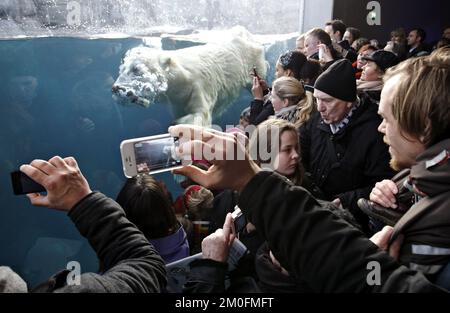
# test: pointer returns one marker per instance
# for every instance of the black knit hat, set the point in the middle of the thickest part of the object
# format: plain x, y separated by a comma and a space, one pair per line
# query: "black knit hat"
384, 59
338, 81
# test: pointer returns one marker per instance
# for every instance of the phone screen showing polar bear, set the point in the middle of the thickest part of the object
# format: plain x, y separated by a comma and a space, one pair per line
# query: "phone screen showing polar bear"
156, 155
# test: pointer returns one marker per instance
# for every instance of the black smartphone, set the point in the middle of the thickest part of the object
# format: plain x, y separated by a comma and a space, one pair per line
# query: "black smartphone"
255, 73
239, 220
22, 184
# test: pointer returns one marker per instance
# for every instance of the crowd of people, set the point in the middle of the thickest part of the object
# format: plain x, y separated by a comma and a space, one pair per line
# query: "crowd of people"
360, 174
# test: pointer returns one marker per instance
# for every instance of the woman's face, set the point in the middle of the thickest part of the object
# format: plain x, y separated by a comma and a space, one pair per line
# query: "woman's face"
360, 61
277, 102
279, 71
287, 160
397, 39
371, 72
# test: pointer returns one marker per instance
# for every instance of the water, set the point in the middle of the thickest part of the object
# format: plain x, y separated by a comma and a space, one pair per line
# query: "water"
55, 99
142, 17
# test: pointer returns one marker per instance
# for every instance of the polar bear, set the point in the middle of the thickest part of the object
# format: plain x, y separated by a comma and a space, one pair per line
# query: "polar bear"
197, 81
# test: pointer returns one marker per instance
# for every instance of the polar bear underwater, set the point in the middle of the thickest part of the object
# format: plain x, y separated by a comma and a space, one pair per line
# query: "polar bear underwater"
197, 81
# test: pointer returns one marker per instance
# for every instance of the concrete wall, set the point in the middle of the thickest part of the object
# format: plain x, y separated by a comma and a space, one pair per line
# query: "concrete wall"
316, 14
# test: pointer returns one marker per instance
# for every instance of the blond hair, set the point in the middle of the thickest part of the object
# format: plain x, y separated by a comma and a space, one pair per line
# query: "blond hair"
263, 131
421, 104
291, 89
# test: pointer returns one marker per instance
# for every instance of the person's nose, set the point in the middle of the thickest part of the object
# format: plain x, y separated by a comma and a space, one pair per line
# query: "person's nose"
320, 106
382, 128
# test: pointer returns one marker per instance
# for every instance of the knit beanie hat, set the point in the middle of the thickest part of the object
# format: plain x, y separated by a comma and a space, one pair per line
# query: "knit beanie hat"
338, 81
10, 282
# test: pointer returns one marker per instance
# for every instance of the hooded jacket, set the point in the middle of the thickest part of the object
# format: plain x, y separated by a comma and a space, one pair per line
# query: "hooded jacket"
426, 225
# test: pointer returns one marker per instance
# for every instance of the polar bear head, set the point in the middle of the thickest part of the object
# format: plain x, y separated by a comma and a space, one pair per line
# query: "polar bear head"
142, 77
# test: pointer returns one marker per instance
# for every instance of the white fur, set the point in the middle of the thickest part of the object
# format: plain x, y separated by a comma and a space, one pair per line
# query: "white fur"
197, 81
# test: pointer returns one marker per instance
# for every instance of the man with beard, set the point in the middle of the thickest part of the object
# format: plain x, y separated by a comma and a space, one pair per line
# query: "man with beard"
414, 105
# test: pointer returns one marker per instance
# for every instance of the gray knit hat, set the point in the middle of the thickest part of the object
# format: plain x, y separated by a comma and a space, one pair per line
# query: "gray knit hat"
10, 282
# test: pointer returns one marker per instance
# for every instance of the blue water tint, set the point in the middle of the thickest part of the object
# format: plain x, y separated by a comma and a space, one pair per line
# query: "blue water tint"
55, 99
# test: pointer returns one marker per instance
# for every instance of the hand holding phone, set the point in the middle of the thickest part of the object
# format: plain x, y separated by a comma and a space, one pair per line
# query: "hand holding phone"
239, 220
154, 154
22, 184
255, 73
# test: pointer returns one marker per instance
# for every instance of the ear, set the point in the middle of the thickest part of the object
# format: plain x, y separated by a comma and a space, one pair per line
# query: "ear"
380, 73
289, 73
286, 102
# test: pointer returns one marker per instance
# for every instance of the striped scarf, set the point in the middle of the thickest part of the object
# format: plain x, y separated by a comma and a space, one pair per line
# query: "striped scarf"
336, 127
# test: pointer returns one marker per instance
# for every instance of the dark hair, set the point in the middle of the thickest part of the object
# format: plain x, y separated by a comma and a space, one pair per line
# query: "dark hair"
324, 38
147, 206
399, 32
443, 43
359, 43
321, 35
356, 33
367, 47
421, 33
293, 60
310, 71
337, 25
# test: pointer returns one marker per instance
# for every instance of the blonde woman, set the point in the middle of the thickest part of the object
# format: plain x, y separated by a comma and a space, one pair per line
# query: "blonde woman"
286, 161
291, 102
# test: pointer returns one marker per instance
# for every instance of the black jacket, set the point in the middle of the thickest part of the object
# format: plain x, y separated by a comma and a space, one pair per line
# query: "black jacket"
346, 165
260, 111
426, 225
130, 262
209, 276
420, 51
311, 242
271, 279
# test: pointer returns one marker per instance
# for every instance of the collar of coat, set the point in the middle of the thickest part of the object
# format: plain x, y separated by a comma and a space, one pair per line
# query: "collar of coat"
366, 111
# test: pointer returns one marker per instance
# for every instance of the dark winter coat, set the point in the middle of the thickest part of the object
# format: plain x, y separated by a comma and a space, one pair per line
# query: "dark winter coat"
311, 242
260, 111
130, 262
346, 165
426, 225
420, 51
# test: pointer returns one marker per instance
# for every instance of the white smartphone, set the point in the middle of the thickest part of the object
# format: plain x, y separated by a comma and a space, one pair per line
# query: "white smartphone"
321, 52
150, 155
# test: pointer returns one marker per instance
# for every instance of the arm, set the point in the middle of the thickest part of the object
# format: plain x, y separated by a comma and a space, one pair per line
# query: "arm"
208, 274
308, 240
305, 142
328, 254
260, 111
130, 262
